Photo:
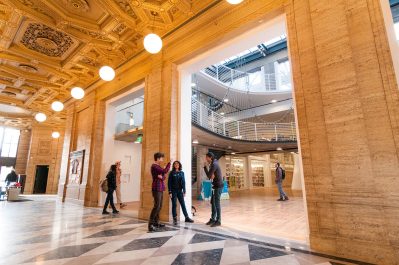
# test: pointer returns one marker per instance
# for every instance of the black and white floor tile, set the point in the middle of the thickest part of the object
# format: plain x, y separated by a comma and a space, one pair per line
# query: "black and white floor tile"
45, 231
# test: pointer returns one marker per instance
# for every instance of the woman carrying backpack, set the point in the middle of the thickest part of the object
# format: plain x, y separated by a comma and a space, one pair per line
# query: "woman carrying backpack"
280, 175
111, 179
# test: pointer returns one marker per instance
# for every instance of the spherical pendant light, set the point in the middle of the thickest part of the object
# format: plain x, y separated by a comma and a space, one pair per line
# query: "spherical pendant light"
152, 43
107, 73
40, 117
234, 2
57, 106
77, 92
55, 135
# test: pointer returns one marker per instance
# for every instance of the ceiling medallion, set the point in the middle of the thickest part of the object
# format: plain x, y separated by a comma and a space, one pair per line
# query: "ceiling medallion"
77, 5
43, 39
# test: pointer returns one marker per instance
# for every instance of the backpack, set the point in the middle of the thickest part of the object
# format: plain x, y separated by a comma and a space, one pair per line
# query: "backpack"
104, 185
282, 173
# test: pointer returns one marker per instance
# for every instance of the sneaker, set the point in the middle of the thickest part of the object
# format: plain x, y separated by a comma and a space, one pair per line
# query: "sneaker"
210, 222
286, 198
115, 212
189, 220
160, 225
152, 228
122, 205
174, 221
105, 212
281, 199
215, 224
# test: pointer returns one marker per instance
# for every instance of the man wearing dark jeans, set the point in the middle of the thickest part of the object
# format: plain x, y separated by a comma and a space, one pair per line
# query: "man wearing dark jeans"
158, 187
215, 175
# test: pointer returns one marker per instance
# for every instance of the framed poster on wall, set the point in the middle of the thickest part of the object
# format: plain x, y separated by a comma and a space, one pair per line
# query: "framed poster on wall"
76, 159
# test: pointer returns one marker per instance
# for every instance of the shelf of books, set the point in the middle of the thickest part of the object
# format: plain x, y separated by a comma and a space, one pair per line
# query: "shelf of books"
235, 173
257, 174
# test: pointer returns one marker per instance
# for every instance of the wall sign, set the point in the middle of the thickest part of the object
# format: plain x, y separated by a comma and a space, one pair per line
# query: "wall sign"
76, 159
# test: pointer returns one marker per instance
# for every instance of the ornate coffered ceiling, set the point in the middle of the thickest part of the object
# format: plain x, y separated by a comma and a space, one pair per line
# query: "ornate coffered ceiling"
49, 46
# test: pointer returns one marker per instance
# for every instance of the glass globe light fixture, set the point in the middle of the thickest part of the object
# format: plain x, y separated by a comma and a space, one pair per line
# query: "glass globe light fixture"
152, 43
40, 117
234, 2
57, 106
77, 92
107, 73
55, 135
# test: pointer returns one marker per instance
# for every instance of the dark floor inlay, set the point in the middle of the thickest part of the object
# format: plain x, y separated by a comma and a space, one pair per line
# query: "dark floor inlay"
200, 238
65, 252
132, 222
111, 232
256, 253
207, 257
145, 243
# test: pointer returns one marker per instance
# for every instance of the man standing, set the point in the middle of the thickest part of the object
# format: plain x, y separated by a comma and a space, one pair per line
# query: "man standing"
279, 182
11, 177
215, 175
118, 183
158, 187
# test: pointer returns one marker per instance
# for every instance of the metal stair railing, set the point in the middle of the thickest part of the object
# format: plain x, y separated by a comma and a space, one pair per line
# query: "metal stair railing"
239, 130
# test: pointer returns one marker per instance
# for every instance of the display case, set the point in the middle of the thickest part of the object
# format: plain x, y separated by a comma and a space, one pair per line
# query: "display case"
235, 174
257, 174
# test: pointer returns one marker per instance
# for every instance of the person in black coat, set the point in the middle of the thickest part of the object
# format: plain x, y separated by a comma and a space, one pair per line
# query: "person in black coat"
111, 178
11, 177
177, 191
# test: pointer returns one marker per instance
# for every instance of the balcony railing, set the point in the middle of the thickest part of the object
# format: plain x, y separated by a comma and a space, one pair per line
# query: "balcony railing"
246, 131
255, 82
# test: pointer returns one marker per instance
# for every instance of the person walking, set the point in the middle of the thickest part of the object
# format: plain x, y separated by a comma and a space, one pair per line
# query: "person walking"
177, 191
111, 178
158, 174
214, 173
118, 185
279, 182
11, 177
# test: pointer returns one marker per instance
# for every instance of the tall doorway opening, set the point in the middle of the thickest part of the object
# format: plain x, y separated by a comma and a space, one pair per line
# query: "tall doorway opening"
242, 110
123, 133
41, 177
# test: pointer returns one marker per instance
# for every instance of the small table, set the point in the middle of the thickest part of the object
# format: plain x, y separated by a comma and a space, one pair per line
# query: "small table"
13, 193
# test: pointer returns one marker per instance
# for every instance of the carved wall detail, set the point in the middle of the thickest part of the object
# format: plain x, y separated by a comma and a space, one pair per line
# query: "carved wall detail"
43, 39
77, 5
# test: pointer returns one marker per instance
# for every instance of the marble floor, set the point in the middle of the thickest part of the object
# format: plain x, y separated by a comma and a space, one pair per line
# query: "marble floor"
41, 230
258, 212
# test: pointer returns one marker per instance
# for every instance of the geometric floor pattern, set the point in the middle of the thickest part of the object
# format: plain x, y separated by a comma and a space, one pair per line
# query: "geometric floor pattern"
45, 231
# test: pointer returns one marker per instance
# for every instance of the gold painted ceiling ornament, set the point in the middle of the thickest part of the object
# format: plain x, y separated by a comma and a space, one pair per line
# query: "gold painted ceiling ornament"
77, 5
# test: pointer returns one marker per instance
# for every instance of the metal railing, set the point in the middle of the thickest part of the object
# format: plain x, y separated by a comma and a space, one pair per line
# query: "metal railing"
258, 81
246, 131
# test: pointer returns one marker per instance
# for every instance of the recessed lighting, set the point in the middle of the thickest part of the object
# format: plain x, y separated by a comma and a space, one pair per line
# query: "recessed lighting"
55, 135
273, 101
226, 100
279, 149
234, 2
195, 141
221, 113
40, 117
233, 153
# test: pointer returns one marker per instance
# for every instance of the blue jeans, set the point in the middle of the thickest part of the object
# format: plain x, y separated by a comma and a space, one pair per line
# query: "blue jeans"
215, 201
178, 195
280, 189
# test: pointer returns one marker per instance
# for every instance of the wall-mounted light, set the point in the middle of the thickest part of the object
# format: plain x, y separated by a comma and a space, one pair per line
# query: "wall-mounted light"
40, 117
77, 92
107, 73
234, 2
57, 106
55, 135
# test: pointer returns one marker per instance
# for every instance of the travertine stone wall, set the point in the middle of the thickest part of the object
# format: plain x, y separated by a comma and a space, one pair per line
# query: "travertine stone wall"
347, 106
346, 102
44, 150
23, 151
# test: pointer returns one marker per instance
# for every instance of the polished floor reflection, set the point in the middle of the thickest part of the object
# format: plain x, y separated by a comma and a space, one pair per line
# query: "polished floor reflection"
41, 230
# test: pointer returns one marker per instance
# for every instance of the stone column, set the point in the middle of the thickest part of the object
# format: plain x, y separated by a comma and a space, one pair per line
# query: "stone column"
348, 118
297, 177
160, 128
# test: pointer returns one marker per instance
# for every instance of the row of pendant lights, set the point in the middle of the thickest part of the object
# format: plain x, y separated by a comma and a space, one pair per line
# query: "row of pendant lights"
152, 44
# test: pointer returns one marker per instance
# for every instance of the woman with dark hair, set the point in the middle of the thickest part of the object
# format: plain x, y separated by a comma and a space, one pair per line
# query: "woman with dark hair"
177, 191
111, 178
